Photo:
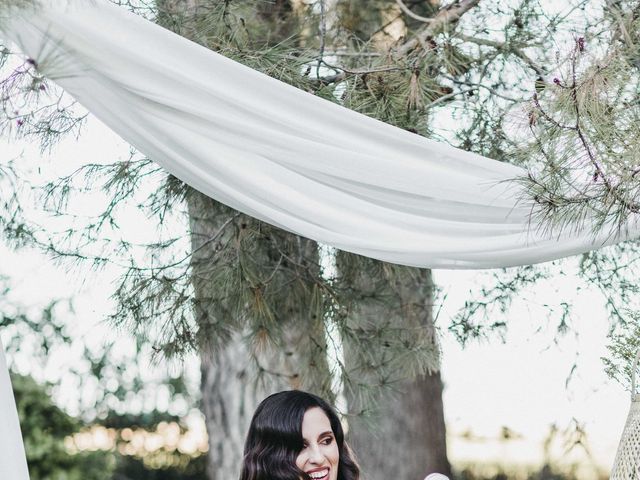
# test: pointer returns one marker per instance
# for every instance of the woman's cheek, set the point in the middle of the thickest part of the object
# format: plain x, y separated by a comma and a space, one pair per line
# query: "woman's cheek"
334, 456
300, 460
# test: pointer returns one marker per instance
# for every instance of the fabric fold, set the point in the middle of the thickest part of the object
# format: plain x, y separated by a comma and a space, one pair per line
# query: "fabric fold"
283, 155
13, 464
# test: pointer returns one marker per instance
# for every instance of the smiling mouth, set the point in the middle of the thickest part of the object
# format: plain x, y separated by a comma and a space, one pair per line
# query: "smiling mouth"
319, 474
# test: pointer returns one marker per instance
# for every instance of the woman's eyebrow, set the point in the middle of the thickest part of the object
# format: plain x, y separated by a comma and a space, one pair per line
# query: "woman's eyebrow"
328, 432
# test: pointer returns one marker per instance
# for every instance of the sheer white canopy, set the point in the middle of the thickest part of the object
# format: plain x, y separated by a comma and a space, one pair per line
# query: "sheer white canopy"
283, 155
13, 464
280, 154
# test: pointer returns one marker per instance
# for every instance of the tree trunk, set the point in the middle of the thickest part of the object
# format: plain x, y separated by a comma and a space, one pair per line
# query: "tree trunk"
406, 438
230, 385
229, 398
236, 374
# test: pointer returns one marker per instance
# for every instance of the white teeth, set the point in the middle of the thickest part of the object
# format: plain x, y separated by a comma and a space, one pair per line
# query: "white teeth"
319, 474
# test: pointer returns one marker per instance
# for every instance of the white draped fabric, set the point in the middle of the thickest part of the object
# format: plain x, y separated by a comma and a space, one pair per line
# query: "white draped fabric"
280, 154
283, 155
12, 460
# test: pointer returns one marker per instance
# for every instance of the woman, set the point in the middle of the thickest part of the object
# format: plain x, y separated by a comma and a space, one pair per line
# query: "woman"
296, 435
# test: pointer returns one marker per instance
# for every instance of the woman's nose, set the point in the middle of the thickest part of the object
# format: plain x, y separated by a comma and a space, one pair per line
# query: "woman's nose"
315, 455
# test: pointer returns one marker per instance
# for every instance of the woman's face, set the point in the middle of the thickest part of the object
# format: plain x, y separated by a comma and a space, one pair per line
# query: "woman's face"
319, 455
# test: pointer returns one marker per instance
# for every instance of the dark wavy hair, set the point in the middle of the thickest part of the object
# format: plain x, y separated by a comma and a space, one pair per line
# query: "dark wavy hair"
275, 439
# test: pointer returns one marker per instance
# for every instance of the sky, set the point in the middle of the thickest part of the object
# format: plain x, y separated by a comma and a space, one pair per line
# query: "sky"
522, 383
518, 384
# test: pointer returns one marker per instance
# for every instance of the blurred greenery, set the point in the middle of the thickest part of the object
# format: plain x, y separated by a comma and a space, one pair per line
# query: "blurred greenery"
547, 472
44, 428
115, 380
130, 468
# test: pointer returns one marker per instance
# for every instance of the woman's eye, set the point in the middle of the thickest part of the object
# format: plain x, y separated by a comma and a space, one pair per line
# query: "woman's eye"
327, 441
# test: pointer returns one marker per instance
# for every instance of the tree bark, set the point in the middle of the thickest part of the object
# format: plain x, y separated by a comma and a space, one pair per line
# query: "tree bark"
230, 387
229, 398
406, 438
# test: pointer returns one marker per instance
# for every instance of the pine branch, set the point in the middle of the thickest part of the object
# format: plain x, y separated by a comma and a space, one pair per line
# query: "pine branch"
446, 17
415, 16
507, 48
